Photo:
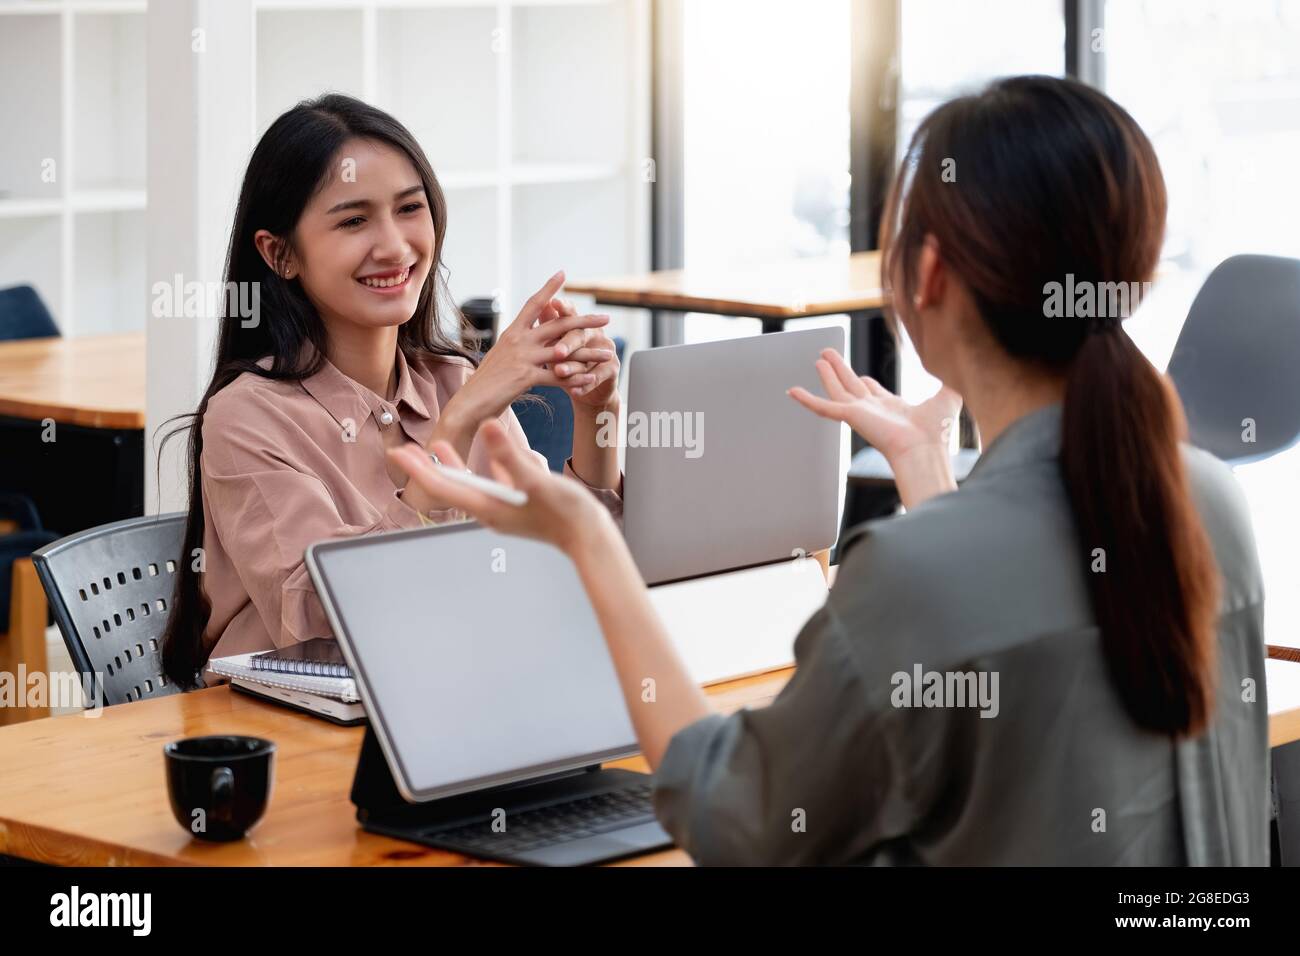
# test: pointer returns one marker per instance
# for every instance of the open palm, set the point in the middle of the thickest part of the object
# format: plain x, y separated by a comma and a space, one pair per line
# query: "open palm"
882, 418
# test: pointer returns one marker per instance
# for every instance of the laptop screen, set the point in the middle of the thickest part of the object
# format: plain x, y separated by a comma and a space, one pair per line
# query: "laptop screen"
723, 469
477, 656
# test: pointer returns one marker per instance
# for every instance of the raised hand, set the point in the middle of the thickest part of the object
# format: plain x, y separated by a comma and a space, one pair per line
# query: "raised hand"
913, 438
590, 362
521, 359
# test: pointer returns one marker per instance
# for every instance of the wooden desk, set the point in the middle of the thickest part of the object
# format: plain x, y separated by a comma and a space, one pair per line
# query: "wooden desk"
95, 381
92, 390
92, 792
785, 290
85, 469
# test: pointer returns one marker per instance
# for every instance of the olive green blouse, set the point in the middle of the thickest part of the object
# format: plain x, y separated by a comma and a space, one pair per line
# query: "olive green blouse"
951, 703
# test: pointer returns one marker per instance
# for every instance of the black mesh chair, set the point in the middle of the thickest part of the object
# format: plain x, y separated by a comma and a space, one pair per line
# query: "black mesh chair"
110, 590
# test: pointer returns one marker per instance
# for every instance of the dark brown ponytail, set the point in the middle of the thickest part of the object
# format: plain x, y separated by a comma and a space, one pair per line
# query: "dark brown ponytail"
1156, 598
1035, 188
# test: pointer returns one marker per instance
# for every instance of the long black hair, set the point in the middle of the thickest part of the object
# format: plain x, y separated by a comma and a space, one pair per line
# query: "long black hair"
293, 160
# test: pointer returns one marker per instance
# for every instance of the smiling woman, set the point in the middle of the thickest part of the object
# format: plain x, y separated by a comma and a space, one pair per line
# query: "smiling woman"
339, 233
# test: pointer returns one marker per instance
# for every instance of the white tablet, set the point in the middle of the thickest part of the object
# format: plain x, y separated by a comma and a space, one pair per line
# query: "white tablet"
477, 656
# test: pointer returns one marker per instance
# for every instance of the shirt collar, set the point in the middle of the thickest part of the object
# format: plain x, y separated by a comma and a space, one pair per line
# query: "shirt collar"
1032, 437
406, 391
346, 399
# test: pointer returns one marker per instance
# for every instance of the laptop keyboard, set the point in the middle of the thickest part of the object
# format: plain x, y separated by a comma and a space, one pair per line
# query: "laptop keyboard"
559, 823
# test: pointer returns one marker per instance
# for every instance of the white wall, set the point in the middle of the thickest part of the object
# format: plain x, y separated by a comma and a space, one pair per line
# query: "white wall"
199, 137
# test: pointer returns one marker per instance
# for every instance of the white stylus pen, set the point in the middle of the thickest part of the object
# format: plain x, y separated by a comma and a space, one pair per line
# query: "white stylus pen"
494, 489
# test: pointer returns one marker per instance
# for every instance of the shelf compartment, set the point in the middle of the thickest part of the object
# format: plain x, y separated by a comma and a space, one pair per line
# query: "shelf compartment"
300, 58
582, 228
571, 87
437, 73
31, 107
470, 249
110, 292
109, 97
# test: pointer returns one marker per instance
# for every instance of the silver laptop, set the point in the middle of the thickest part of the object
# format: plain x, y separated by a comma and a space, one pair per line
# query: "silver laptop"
491, 694
723, 469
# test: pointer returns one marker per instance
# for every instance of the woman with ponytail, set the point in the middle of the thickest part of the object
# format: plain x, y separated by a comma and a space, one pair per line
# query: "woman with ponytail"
1061, 662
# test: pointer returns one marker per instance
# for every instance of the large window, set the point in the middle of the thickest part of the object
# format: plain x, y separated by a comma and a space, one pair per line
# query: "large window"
947, 49
765, 137
1216, 85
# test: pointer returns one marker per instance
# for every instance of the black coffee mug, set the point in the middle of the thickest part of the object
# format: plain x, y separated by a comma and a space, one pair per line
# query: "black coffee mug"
219, 786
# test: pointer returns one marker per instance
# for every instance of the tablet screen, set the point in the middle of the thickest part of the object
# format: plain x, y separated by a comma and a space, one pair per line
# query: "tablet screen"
477, 655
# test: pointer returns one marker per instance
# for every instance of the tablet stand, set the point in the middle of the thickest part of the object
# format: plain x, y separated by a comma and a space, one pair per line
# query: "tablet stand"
380, 804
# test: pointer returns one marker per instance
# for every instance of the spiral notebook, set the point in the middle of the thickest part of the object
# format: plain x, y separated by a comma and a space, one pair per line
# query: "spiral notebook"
240, 666
319, 657
333, 698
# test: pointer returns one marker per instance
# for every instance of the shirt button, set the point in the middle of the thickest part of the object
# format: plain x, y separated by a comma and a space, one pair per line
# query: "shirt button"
386, 418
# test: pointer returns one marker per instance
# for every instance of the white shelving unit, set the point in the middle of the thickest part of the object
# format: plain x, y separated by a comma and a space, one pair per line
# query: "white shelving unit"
535, 116
534, 113
72, 172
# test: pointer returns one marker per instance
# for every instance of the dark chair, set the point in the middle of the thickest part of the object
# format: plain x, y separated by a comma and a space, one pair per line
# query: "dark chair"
547, 420
1235, 360
23, 614
19, 543
23, 315
871, 492
110, 589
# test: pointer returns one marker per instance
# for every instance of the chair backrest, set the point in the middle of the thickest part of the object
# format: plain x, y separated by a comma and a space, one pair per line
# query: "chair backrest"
110, 589
1235, 361
23, 315
548, 423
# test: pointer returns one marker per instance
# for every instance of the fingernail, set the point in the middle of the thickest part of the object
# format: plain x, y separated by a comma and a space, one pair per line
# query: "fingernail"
562, 350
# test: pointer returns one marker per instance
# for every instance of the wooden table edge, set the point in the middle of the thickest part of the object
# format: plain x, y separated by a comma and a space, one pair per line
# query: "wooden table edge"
679, 302
125, 420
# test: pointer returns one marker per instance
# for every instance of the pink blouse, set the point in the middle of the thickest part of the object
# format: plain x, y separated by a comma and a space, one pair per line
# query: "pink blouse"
286, 464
